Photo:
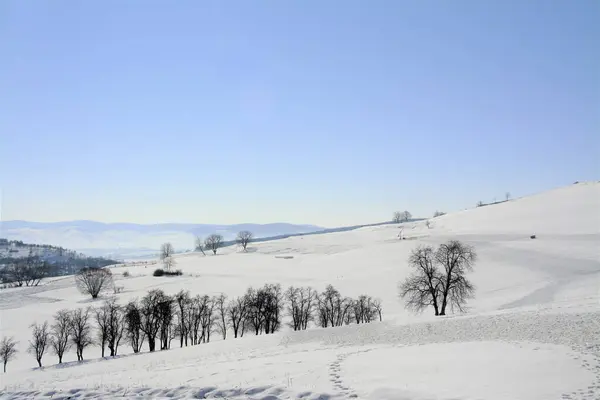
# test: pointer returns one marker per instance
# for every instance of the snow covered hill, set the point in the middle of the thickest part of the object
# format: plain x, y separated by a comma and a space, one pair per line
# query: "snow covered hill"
531, 333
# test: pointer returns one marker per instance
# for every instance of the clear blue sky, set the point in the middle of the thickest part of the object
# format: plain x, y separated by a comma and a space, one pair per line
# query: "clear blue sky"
323, 112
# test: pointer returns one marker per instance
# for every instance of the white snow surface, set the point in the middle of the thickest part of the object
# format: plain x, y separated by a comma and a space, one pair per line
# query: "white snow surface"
532, 332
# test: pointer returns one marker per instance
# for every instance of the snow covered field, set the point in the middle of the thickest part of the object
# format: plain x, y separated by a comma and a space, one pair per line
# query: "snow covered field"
532, 332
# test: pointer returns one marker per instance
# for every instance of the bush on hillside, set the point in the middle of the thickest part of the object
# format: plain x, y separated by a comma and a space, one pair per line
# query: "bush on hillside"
162, 272
94, 281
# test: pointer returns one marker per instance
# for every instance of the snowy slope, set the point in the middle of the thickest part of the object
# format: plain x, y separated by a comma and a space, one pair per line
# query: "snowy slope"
532, 332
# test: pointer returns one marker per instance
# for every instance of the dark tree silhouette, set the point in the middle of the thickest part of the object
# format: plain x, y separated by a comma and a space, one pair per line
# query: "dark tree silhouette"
183, 303
94, 281
133, 326
81, 334
301, 304
243, 238
59, 333
456, 259
237, 313
423, 287
439, 278
38, 344
151, 317
213, 242
222, 312
8, 350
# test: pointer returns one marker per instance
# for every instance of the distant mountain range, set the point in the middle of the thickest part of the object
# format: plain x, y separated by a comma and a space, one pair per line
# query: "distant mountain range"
129, 240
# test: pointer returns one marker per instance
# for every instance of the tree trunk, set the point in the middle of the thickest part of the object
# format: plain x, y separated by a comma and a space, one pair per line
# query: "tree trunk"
39, 360
5, 366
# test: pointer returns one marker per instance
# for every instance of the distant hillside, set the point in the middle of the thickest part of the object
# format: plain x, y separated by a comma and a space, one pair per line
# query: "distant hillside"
123, 240
53, 260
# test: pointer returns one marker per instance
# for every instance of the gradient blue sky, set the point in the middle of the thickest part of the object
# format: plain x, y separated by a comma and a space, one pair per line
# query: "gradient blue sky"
323, 112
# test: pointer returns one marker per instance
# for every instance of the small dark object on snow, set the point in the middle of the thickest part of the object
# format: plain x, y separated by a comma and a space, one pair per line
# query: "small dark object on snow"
532, 237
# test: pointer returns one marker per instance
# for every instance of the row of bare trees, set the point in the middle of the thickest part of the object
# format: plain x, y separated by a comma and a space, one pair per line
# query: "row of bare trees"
215, 241
157, 318
70, 329
27, 271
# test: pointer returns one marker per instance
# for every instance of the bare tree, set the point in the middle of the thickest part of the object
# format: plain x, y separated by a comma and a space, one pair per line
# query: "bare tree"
456, 259
222, 311
8, 350
101, 317
507, 196
397, 217
300, 306
133, 326
166, 313
207, 317
60, 331
423, 287
332, 308
378, 308
406, 216
480, 203
110, 321
213, 242
150, 316
439, 278
363, 309
438, 214
428, 224
199, 244
39, 341
166, 255
94, 281
116, 326
81, 335
237, 311
243, 238
183, 303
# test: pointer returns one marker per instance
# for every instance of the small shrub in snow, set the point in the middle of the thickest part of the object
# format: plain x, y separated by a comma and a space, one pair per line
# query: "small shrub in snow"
159, 272
126, 274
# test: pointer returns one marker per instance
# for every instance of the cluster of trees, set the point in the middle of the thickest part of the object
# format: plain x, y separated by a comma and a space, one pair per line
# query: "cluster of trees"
215, 241
27, 271
439, 278
30, 270
70, 329
401, 216
157, 318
